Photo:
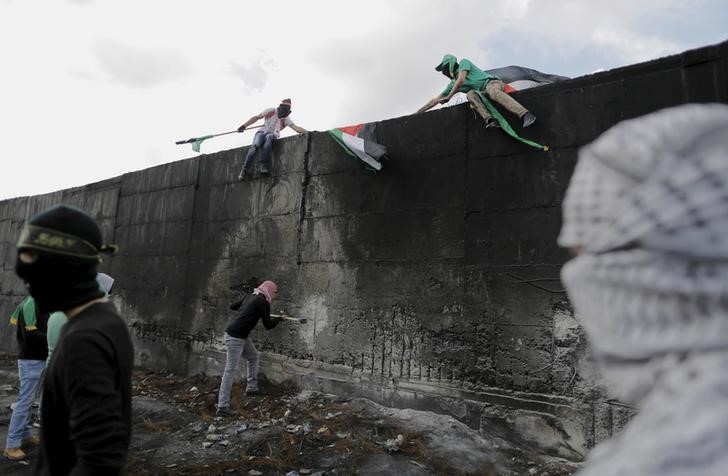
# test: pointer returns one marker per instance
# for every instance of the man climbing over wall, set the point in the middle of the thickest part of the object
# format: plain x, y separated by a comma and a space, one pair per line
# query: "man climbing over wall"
275, 120
248, 311
467, 78
86, 400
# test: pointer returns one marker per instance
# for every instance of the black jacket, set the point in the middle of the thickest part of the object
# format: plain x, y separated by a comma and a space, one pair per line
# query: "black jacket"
86, 403
32, 342
248, 311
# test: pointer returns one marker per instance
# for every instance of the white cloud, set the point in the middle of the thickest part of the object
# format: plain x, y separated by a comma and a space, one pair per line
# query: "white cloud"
254, 75
631, 46
142, 68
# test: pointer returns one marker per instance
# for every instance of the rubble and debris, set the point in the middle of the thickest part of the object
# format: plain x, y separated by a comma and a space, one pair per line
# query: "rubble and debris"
394, 444
287, 430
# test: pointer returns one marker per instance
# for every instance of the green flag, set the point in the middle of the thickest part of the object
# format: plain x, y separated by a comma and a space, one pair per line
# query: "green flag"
196, 144
507, 127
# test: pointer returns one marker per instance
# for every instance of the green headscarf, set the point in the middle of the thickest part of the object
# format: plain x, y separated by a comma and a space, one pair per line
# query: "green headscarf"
448, 61
27, 307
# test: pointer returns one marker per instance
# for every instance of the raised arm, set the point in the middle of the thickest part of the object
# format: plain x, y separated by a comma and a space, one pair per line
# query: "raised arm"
298, 129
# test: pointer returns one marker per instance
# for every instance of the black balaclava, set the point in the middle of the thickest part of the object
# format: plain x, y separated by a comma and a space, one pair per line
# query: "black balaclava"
66, 243
284, 108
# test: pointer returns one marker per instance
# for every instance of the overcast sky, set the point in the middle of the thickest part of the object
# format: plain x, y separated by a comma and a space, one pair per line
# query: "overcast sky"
92, 89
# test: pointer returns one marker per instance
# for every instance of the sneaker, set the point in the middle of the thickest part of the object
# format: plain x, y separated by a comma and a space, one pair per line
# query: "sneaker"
30, 441
528, 119
243, 175
492, 123
14, 454
251, 392
264, 171
225, 412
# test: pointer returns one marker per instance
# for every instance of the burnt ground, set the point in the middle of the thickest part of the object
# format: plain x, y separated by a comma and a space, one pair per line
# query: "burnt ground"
286, 431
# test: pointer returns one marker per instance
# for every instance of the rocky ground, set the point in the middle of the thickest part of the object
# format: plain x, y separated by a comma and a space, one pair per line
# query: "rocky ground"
288, 432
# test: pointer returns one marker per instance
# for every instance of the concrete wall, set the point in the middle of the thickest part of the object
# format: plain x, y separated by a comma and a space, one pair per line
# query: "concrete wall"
433, 284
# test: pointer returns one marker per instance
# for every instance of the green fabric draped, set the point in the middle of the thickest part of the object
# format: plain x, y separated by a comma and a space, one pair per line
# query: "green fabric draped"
507, 127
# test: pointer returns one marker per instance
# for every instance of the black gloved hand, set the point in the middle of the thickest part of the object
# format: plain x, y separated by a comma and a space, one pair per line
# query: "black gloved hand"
241, 128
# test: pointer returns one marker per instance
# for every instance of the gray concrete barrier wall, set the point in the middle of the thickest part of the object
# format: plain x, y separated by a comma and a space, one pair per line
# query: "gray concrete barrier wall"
433, 284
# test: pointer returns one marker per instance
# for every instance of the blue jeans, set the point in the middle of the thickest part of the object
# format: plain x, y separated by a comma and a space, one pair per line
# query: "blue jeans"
30, 373
265, 142
235, 348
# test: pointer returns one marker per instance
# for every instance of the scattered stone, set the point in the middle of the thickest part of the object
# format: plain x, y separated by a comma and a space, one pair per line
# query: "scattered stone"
254, 472
197, 427
533, 471
287, 414
394, 444
193, 389
211, 429
305, 471
292, 473
206, 444
241, 428
341, 435
324, 430
213, 437
223, 443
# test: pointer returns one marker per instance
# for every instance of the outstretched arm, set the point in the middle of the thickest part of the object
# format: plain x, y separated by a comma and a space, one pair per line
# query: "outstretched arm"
298, 129
455, 87
431, 103
250, 121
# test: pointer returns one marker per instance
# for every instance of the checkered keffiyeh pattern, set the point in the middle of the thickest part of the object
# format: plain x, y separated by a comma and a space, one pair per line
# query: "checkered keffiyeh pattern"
658, 182
648, 208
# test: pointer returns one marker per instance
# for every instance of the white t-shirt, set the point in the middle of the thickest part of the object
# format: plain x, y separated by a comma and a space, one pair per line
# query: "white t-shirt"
272, 124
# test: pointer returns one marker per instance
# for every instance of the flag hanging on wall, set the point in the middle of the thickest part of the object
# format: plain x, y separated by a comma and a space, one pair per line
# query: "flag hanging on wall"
358, 142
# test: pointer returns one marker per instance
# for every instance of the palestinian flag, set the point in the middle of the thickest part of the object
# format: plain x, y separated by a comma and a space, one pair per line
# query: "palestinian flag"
517, 78
358, 142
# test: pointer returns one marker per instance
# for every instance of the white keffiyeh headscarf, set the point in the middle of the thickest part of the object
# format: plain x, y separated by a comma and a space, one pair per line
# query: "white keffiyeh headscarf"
647, 207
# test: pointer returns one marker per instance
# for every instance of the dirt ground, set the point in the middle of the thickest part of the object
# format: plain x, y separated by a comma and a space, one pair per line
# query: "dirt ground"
288, 432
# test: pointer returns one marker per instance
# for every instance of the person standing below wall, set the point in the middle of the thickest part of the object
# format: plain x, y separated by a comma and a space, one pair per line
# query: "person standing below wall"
275, 120
248, 311
86, 399
31, 325
467, 78
646, 214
